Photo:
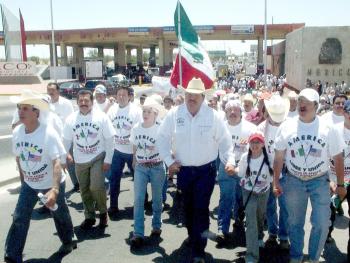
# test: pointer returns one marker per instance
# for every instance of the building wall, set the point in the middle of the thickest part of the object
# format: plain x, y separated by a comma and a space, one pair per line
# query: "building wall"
318, 53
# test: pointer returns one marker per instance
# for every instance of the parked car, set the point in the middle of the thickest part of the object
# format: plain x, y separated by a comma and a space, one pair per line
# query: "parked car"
69, 89
91, 84
120, 80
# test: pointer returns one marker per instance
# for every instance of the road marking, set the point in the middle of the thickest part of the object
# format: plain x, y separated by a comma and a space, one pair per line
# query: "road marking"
5, 137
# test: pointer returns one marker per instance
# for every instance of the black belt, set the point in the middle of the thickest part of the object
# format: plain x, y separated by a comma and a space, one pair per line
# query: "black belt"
150, 164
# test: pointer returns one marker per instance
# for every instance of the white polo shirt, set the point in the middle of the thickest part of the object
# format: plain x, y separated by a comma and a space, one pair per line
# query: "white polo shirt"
63, 108
195, 140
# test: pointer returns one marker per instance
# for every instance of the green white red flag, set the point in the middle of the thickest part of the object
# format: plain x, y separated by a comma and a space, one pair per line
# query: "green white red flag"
194, 59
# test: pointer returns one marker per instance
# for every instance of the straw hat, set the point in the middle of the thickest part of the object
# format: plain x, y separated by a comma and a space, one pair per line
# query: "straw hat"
31, 98
195, 86
277, 107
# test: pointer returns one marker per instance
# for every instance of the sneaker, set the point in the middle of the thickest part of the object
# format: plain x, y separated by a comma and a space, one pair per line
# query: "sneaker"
136, 242
87, 224
67, 248
43, 210
156, 232
271, 242
103, 221
284, 245
9, 260
198, 260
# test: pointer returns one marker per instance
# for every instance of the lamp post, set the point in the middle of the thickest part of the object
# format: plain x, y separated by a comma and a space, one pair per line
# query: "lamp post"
53, 44
265, 43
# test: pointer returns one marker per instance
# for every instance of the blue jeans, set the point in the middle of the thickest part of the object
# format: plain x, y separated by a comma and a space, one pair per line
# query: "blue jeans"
277, 225
17, 234
230, 196
297, 193
71, 169
196, 184
156, 176
118, 163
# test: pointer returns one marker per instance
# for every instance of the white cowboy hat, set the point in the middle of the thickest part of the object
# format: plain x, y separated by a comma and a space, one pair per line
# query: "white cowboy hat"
152, 103
31, 98
195, 86
277, 107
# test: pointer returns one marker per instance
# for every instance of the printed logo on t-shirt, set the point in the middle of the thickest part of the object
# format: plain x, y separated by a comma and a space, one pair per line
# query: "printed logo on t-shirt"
31, 161
86, 137
123, 126
146, 149
180, 122
305, 153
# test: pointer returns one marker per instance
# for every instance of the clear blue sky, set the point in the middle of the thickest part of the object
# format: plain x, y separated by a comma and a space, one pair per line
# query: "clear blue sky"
76, 14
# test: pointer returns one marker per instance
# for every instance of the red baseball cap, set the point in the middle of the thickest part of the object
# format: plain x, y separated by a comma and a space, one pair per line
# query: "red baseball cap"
256, 136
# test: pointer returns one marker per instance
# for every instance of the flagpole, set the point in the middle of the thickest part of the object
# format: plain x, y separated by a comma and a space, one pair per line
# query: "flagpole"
53, 44
179, 40
265, 42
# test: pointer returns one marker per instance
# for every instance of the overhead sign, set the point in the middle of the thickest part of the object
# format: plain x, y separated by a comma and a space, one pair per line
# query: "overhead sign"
199, 29
138, 30
17, 69
242, 30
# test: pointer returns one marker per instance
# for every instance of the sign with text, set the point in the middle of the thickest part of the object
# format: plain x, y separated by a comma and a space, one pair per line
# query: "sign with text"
17, 69
138, 31
242, 30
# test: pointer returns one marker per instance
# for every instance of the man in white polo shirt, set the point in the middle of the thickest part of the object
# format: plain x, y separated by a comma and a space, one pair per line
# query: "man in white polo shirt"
197, 134
305, 143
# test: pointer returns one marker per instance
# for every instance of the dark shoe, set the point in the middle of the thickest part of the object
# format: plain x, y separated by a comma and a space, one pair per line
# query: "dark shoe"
9, 260
284, 245
113, 211
271, 242
103, 221
238, 225
88, 224
136, 242
187, 242
221, 239
67, 248
198, 260
329, 239
156, 232
76, 188
43, 210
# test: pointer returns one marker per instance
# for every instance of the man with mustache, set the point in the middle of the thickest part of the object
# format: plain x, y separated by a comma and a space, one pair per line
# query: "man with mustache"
91, 133
196, 134
304, 144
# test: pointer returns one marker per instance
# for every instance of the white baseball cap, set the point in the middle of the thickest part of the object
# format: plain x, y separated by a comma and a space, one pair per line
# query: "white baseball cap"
310, 95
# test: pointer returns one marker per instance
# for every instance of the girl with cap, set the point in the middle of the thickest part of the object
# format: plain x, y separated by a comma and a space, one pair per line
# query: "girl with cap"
148, 168
256, 177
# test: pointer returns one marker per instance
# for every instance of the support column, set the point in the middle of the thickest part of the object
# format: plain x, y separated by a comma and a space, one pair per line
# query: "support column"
115, 51
51, 55
161, 52
121, 55
64, 57
139, 59
152, 56
128, 55
100, 52
260, 50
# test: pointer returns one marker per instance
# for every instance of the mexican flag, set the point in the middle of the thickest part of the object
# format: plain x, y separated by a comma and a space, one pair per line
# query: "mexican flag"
194, 59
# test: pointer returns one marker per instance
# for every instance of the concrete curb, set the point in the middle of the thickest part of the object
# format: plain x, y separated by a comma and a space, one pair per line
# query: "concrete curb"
9, 181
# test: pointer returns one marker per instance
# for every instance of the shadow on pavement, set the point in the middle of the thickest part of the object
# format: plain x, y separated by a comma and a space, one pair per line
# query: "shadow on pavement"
123, 214
94, 233
331, 252
14, 191
54, 258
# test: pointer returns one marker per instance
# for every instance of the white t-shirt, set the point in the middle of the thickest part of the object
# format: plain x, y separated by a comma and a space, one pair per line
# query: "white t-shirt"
88, 133
308, 146
331, 118
145, 141
269, 132
123, 120
292, 114
36, 151
63, 108
100, 106
240, 134
346, 136
247, 182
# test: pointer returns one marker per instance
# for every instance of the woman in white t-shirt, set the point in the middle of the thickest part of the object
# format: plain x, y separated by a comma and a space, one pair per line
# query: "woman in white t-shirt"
148, 168
256, 177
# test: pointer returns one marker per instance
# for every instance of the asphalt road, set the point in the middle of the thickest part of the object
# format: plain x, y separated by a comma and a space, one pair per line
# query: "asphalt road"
112, 245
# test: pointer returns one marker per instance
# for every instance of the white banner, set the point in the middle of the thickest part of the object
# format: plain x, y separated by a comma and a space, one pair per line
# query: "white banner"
17, 69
